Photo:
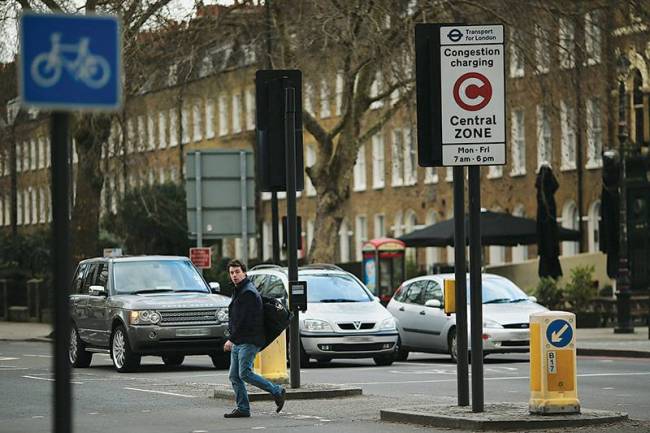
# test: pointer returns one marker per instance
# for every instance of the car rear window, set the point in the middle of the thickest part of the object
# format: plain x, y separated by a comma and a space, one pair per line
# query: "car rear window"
332, 288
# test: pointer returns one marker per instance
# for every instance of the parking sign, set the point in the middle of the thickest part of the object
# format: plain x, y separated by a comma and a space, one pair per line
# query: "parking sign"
70, 62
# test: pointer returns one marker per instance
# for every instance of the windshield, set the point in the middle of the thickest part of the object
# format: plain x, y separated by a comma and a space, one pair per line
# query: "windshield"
499, 291
153, 276
334, 288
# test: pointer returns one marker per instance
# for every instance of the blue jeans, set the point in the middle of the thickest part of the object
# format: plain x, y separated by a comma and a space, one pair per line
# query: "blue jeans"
241, 370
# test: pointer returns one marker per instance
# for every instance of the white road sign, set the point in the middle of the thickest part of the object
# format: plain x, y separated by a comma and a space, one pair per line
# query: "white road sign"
472, 90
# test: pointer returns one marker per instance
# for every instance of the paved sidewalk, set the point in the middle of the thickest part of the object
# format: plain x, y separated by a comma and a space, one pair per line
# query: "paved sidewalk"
591, 341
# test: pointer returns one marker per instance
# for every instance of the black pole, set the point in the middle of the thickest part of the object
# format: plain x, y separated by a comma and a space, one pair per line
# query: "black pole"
275, 235
61, 269
462, 374
623, 317
292, 242
476, 295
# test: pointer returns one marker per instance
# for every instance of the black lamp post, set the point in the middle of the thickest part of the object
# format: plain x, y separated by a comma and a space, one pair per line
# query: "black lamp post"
624, 320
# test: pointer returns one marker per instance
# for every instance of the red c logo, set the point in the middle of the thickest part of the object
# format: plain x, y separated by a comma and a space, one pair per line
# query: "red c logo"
472, 91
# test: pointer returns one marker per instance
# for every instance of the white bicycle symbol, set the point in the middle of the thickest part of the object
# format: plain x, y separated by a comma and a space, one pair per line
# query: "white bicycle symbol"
91, 69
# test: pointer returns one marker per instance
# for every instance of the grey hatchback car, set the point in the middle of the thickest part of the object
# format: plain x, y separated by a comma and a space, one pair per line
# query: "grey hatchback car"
129, 307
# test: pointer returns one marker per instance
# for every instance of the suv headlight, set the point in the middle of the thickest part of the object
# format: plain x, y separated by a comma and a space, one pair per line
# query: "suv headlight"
487, 323
388, 324
222, 314
314, 325
144, 317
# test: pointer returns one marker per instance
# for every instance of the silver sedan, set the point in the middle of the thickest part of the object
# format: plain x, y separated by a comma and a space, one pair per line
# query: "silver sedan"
423, 326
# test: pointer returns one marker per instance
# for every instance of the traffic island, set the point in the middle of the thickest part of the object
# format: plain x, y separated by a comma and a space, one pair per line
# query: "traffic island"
305, 392
497, 416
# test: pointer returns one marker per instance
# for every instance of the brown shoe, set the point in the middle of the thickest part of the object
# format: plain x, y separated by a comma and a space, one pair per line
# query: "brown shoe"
236, 414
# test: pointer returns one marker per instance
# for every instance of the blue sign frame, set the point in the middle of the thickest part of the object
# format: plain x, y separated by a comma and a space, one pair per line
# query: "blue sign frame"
70, 62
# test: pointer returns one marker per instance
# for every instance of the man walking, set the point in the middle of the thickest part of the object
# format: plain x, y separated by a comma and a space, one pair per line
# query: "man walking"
246, 326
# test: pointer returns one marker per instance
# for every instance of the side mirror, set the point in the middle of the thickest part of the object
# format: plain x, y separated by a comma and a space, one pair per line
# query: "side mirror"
532, 299
215, 287
433, 303
97, 291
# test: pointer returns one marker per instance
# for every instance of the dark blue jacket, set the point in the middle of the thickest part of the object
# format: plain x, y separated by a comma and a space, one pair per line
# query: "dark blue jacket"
246, 316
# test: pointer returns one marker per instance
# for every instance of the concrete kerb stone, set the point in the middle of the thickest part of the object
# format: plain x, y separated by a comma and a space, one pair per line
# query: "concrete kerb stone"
621, 353
305, 392
498, 416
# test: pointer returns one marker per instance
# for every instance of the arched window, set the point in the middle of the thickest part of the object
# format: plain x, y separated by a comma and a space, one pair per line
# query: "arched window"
519, 253
593, 226
570, 221
432, 253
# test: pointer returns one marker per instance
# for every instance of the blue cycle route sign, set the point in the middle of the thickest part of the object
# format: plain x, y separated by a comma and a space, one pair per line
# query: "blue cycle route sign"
559, 333
70, 62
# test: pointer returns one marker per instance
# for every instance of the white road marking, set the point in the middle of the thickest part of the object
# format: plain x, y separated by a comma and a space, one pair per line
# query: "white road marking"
93, 413
161, 392
7, 358
11, 368
49, 379
608, 387
199, 431
39, 356
257, 428
38, 417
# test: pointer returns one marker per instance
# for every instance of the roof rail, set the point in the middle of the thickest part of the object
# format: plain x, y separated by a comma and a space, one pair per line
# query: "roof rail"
327, 266
265, 266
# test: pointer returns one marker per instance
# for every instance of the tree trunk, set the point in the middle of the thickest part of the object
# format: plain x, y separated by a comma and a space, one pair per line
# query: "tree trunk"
92, 131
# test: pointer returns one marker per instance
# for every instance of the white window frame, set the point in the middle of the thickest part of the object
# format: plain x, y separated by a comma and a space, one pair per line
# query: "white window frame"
495, 172
33, 156
568, 140
236, 113
375, 89
250, 109
516, 57
570, 221
209, 118
544, 137
567, 45
325, 111
378, 162
519, 253
518, 133
361, 233
310, 161
360, 170
344, 242
197, 130
308, 98
593, 38
173, 127
431, 175
593, 227
162, 130
542, 50
410, 159
380, 225
397, 153
223, 115
339, 93
185, 125
594, 134
19, 207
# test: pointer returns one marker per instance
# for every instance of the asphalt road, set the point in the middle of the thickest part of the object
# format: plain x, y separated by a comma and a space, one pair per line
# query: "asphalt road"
160, 399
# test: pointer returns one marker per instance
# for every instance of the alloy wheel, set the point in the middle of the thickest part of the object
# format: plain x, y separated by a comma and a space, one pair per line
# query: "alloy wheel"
118, 349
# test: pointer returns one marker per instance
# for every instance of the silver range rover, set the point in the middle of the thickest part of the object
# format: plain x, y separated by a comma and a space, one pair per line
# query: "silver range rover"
130, 307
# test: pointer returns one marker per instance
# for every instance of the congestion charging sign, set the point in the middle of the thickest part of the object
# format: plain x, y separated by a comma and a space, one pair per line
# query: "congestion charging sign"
472, 90
460, 94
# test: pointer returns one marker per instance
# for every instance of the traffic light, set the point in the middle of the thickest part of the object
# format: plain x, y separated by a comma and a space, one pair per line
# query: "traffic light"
270, 89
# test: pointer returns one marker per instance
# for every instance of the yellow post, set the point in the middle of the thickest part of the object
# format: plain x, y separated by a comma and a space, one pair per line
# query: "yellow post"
553, 380
272, 361
450, 296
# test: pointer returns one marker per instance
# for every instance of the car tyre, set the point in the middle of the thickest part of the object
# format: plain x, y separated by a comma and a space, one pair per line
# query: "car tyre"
124, 359
173, 360
453, 345
77, 354
400, 354
384, 361
220, 361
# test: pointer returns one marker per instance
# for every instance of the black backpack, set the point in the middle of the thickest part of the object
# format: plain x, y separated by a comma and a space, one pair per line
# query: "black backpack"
277, 318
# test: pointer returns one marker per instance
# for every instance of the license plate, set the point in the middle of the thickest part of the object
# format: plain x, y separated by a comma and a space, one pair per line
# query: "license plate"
359, 339
191, 332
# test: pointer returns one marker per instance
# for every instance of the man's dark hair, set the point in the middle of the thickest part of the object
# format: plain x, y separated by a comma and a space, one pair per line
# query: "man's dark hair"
236, 264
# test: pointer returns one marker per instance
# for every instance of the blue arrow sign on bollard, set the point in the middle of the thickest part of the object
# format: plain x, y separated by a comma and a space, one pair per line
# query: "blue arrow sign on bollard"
559, 333
70, 61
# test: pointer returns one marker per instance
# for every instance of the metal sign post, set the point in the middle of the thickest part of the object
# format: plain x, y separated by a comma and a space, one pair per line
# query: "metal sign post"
461, 122
292, 250
461, 287
67, 63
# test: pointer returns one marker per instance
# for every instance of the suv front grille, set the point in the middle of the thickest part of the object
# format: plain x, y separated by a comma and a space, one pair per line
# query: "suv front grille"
184, 317
352, 327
